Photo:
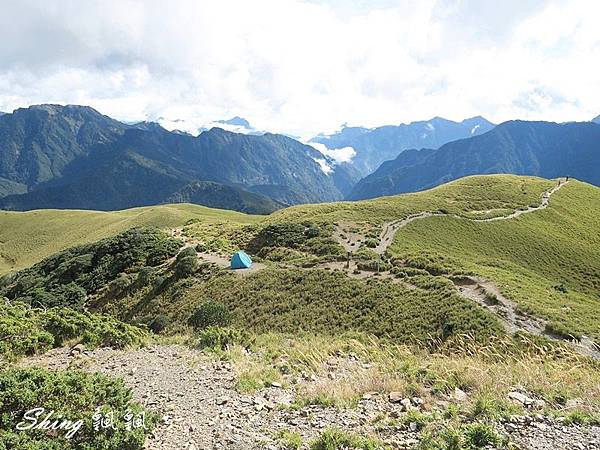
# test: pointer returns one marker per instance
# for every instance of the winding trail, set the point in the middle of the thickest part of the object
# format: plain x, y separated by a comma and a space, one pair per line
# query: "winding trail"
514, 319
391, 228
483, 292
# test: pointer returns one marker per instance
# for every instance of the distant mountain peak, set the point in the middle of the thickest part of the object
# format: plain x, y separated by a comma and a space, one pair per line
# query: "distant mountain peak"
236, 121
553, 150
596, 120
373, 146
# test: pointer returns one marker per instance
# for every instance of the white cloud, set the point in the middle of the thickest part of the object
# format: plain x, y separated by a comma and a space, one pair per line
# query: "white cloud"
338, 155
303, 67
326, 168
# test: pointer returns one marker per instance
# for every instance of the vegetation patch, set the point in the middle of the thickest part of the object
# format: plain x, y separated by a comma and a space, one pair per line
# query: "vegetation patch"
528, 258
319, 301
68, 277
25, 330
75, 398
334, 439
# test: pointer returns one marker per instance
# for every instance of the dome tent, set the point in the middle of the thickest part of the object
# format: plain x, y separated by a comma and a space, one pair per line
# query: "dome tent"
241, 260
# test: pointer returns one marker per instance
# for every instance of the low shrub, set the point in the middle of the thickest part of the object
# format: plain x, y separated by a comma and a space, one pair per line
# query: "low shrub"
216, 338
562, 331
210, 314
335, 439
68, 277
74, 396
480, 435
25, 330
186, 263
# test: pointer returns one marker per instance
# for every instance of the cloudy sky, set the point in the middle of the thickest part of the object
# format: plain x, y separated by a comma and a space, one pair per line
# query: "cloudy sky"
304, 66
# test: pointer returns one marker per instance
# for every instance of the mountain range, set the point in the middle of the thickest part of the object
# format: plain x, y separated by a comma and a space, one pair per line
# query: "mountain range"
73, 157
55, 156
544, 149
374, 146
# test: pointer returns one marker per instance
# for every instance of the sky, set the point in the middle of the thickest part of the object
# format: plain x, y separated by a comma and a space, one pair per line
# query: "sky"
304, 67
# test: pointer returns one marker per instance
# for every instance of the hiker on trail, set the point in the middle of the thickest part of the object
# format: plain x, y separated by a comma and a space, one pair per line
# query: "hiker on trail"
567, 179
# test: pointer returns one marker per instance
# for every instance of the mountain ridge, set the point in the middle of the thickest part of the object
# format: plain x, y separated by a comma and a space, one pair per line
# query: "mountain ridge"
519, 147
373, 146
72, 156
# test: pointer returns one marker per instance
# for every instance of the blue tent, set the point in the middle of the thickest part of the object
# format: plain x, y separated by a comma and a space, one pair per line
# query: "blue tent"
241, 260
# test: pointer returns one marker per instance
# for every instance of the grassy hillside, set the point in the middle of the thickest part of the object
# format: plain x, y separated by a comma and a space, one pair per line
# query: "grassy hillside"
28, 237
548, 262
498, 193
301, 314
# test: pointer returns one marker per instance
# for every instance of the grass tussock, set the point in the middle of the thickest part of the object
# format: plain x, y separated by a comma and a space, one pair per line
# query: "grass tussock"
365, 364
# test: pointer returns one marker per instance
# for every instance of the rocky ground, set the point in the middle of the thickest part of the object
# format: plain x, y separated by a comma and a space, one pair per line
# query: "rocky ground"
201, 409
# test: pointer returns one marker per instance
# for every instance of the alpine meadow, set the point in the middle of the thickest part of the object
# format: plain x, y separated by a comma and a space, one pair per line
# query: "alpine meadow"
220, 231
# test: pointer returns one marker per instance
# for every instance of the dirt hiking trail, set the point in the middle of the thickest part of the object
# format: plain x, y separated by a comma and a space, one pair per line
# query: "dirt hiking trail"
481, 291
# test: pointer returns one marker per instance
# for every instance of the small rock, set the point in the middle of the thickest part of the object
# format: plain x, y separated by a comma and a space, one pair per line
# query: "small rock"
276, 384
395, 397
413, 426
77, 350
417, 401
222, 400
520, 397
459, 395
406, 404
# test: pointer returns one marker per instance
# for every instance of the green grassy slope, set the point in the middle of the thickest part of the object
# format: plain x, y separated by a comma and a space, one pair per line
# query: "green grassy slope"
28, 237
548, 261
499, 193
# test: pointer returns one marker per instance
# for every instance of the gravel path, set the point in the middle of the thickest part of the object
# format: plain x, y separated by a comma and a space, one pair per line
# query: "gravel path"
195, 395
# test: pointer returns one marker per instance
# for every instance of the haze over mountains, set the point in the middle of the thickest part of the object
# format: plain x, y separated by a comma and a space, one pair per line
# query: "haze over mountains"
544, 149
374, 146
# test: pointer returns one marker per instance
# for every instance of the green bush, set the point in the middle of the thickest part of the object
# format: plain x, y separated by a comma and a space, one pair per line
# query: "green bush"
461, 437
73, 396
25, 330
374, 265
21, 333
186, 263
216, 338
68, 277
562, 331
210, 314
93, 330
335, 439
307, 237
480, 435
289, 235
158, 323
370, 243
